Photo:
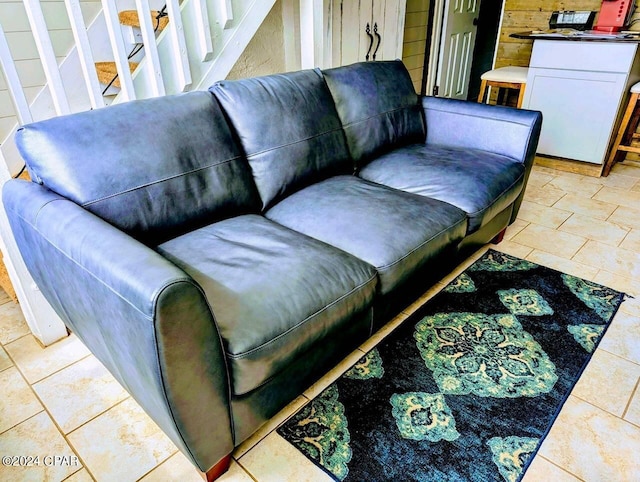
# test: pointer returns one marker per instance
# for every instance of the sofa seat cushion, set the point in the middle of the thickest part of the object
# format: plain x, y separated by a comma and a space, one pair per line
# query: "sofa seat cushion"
394, 231
480, 183
274, 293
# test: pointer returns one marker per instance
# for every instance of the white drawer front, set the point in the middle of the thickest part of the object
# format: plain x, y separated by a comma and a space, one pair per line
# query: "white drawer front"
585, 55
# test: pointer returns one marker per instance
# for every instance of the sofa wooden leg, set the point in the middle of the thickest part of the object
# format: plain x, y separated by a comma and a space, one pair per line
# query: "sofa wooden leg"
217, 470
499, 237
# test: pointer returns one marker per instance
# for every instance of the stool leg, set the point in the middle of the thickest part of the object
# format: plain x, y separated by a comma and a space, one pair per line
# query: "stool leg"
483, 90
521, 96
625, 131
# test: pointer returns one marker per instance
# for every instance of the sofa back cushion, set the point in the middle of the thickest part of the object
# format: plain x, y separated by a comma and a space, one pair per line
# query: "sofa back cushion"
155, 168
378, 107
289, 129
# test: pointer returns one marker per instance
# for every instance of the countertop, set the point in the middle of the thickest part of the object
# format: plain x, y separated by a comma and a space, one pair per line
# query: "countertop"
575, 35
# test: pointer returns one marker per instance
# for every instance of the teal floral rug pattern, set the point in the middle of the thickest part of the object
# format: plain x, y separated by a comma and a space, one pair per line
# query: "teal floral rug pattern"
462, 284
423, 416
510, 454
485, 355
321, 433
586, 335
598, 298
466, 388
369, 366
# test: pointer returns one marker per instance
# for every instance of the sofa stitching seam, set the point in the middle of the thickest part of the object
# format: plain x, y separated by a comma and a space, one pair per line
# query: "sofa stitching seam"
408, 106
466, 114
160, 181
313, 315
263, 151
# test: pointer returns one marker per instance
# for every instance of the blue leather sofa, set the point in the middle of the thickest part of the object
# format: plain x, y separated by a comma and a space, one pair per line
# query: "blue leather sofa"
219, 251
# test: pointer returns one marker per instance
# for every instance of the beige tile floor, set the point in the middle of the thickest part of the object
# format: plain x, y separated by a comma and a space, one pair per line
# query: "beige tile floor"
61, 400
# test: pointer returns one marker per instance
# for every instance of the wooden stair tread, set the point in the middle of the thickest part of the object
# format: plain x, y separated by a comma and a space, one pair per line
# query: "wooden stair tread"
107, 71
130, 18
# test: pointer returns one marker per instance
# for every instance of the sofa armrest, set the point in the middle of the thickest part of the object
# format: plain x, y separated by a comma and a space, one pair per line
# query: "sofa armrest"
503, 130
144, 318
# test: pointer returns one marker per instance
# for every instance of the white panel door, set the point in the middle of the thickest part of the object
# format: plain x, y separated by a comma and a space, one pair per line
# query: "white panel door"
456, 53
355, 42
367, 30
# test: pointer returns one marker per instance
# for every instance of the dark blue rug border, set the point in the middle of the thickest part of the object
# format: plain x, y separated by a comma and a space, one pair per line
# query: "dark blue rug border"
620, 299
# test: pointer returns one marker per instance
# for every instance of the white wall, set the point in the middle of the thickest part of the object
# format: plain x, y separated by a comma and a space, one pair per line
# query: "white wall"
23, 48
265, 53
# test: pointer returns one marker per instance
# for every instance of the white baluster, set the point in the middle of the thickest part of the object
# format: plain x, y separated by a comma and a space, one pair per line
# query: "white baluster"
47, 56
15, 87
119, 53
87, 64
311, 40
203, 30
150, 48
176, 31
226, 13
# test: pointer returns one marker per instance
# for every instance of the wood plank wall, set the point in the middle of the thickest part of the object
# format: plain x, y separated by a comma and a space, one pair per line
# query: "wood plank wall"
526, 15
415, 35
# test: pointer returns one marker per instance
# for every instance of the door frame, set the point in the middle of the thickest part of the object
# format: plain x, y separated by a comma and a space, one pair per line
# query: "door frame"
437, 10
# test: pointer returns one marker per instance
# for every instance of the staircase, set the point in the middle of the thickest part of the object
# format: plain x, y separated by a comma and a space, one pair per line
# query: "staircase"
130, 50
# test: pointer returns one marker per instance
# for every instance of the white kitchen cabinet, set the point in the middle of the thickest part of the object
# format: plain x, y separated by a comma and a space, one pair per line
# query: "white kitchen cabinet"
350, 40
579, 86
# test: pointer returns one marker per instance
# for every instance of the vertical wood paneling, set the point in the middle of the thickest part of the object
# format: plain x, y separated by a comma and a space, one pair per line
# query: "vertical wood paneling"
526, 15
415, 35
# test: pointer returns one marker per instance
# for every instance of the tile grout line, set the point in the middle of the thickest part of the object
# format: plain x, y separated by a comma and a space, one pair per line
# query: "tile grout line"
607, 412
561, 468
246, 471
633, 394
51, 418
76, 473
622, 357
162, 462
129, 397
61, 369
21, 422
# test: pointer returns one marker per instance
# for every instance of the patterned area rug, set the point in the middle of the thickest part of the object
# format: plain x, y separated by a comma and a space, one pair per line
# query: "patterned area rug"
465, 389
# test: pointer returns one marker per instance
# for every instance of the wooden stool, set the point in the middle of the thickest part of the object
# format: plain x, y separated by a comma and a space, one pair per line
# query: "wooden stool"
505, 78
626, 132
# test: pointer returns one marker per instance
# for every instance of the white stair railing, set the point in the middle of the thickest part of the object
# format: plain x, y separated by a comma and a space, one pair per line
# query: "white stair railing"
119, 53
179, 44
87, 63
151, 48
47, 56
200, 44
205, 45
43, 322
13, 81
226, 12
